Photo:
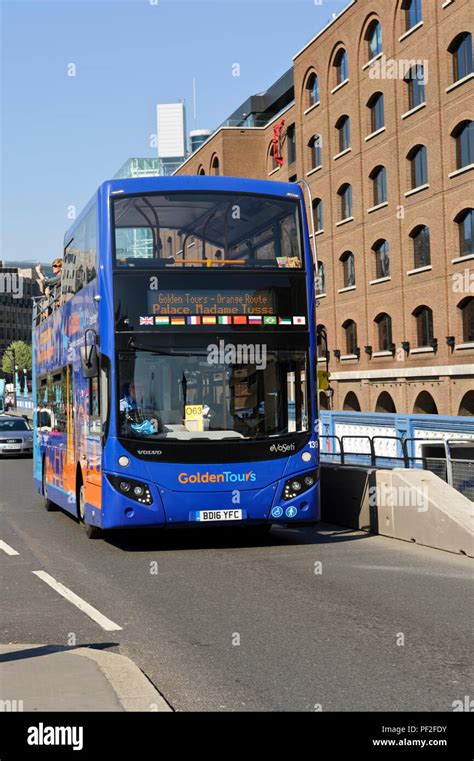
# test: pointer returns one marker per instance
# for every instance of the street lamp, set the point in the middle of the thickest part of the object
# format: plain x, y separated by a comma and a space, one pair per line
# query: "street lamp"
25, 387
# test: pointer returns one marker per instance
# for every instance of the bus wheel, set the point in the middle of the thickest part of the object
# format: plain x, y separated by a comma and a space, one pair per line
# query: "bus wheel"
92, 532
48, 505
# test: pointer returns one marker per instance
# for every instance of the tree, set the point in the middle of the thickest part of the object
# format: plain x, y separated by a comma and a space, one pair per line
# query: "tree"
22, 353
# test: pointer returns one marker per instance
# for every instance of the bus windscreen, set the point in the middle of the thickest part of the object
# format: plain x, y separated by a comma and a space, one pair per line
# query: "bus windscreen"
220, 391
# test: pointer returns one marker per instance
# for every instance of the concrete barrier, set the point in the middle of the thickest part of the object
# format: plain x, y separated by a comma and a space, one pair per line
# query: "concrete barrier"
417, 506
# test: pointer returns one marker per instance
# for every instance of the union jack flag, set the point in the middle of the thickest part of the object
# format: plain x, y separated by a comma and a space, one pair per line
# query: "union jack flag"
146, 320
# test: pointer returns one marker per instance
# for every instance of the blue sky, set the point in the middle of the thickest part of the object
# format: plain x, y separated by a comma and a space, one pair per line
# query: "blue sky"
62, 136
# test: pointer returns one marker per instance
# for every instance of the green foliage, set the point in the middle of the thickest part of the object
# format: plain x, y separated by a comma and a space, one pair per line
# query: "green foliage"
22, 357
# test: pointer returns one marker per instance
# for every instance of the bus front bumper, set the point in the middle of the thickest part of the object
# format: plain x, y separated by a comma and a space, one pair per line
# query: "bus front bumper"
210, 507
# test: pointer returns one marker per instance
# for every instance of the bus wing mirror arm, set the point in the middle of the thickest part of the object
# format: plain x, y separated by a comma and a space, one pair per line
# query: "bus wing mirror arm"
89, 356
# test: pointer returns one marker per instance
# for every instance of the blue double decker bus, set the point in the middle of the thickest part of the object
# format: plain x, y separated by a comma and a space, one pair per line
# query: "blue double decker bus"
175, 362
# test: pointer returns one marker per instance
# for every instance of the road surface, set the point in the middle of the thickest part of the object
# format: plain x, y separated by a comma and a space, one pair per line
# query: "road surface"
315, 619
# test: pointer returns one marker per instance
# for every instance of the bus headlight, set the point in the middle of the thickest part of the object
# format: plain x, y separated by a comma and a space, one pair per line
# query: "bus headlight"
299, 484
135, 490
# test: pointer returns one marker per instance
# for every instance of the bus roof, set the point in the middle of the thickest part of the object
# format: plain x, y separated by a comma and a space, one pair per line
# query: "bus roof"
188, 183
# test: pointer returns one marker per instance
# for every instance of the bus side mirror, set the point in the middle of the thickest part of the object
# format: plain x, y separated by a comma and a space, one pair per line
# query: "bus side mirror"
89, 361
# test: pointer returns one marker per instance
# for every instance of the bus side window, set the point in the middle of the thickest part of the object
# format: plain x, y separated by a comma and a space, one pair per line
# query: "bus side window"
95, 425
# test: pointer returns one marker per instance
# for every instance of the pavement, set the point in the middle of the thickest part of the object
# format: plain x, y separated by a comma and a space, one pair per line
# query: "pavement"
302, 620
32, 677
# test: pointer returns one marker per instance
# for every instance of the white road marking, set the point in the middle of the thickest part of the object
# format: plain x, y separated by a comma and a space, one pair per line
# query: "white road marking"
105, 623
6, 548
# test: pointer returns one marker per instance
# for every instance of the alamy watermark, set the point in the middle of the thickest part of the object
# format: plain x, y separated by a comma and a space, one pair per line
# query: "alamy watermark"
399, 68
224, 353
11, 282
387, 495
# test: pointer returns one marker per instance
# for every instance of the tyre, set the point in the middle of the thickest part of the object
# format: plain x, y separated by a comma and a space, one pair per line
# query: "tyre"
92, 532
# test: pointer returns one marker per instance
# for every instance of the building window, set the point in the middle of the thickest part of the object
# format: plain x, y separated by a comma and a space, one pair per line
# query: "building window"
344, 133
348, 269
215, 167
384, 332
374, 39
315, 150
312, 90
377, 115
378, 176
421, 246
381, 251
321, 344
345, 196
461, 52
272, 164
424, 326
466, 406
350, 331
201, 170
418, 166
412, 10
291, 139
464, 137
467, 317
465, 223
341, 64
318, 214
415, 82
321, 279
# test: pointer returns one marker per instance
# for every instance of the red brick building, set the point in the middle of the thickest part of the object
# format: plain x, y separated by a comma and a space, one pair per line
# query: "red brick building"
376, 115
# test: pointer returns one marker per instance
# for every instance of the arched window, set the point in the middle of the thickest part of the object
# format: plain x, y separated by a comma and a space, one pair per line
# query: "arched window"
421, 246
318, 214
412, 11
351, 402
321, 347
424, 326
425, 404
464, 137
418, 166
215, 166
381, 251
350, 331
345, 200
201, 170
385, 403
415, 82
461, 52
323, 401
465, 223
466, 308
466, 408
341, 64
321, 279
378, 176
377, 111
373, 37
272, 164
383, 322
312, 90
348, 269
291, 143
169, 243
344, 133
314, 145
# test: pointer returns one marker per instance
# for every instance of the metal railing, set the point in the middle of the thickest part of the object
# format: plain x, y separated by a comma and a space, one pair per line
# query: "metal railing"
452, 460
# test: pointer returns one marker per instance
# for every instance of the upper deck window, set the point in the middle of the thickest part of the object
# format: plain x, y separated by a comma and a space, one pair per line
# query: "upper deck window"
207, 229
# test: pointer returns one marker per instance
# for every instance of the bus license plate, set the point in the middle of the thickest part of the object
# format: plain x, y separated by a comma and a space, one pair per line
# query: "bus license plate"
219, 515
